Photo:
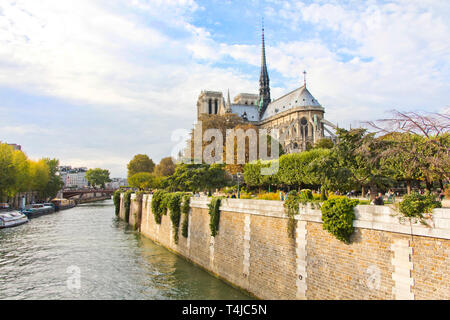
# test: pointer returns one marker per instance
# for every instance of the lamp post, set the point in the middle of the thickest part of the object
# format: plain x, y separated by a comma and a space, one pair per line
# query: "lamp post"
238, 179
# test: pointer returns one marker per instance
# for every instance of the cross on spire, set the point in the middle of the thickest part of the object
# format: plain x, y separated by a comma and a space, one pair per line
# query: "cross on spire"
304, 77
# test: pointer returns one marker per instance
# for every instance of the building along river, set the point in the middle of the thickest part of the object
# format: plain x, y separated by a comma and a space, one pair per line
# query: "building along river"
87, 253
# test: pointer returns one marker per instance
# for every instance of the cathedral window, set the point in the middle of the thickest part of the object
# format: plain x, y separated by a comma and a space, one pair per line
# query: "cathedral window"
215, 106
209, 106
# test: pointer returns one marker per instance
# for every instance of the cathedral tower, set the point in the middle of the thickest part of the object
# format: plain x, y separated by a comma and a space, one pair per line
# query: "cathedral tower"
264, 87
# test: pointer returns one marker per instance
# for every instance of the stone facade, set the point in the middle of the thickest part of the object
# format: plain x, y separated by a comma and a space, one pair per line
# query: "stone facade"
388, 257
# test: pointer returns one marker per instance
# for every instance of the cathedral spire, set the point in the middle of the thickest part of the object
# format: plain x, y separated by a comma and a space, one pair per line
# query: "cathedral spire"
228, 106
264, 87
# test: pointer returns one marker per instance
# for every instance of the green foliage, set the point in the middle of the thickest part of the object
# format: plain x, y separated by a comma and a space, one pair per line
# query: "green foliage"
55, 182
142, 180
197, 177
127, 204
214, 213
140, 163
165, 168
291, 206
323, 194
306, 196
116, 200
414, 205
173, 203
159, 205
20, 174
185, 210
337, 216
97, 177
324, 143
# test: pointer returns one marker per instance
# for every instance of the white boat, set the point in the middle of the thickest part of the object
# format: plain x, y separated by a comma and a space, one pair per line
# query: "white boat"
12, 218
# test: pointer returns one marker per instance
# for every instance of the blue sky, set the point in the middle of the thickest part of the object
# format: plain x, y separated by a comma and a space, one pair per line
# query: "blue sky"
93, 82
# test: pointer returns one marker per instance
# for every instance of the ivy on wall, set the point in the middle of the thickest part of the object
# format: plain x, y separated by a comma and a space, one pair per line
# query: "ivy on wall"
291, 206
116, 200
214, 213
127, 203
159, 205
337, 216
173, 203
185, 210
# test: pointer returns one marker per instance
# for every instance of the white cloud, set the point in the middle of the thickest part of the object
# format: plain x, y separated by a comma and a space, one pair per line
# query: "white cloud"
146, 60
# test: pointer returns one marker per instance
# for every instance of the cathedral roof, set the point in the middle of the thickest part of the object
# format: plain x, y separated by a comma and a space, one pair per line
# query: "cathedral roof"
251, 111
300, 97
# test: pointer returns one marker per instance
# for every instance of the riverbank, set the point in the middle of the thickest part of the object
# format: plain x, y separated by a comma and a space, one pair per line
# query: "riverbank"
388, 257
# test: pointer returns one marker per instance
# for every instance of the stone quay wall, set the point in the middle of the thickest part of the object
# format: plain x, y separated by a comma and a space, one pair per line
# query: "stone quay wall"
389, 257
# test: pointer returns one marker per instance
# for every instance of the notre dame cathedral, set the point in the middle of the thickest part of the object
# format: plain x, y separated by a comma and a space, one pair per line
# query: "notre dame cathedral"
297, 115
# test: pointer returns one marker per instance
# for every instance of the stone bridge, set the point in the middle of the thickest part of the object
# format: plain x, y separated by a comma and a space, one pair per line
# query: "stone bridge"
87, 195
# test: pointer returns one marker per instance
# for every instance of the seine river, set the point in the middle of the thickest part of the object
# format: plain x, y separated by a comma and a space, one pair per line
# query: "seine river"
87, 253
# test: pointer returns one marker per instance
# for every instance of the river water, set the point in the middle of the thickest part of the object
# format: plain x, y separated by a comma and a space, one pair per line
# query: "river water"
87, 253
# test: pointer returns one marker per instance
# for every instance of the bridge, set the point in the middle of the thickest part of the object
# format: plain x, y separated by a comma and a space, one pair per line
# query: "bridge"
87, 195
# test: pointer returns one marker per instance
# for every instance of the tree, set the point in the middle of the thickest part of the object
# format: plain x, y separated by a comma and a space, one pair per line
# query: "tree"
356, 160
22, 172
427, 141
55, 182
165, 168
39, 175
97, 177
140, 163
324, 143
402, 160
7, 170
197, 177
141, 180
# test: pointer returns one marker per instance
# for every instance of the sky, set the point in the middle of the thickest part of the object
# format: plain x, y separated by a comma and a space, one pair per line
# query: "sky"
94, 82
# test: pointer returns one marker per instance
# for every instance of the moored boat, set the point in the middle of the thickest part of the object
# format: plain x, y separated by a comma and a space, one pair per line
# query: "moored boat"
62, 204
38, 210
12, 218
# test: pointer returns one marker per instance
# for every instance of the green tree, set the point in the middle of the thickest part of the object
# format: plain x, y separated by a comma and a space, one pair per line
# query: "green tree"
97, 177
39, 175
324, 143
166, 167
140, 163
141, 180
55, 182
357, 160
7, 170
197, 177
22, 172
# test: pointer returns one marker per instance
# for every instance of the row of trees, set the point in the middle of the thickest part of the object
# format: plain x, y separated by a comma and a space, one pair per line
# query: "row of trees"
406, 148
144, 174
20, 174
364, 160
98, 177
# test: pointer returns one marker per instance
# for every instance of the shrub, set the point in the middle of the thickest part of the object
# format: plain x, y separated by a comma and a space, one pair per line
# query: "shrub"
245, 195
269, 196
337, 217
214, 212
414, 205
291, 205
447, 192
116, 200
306, 196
